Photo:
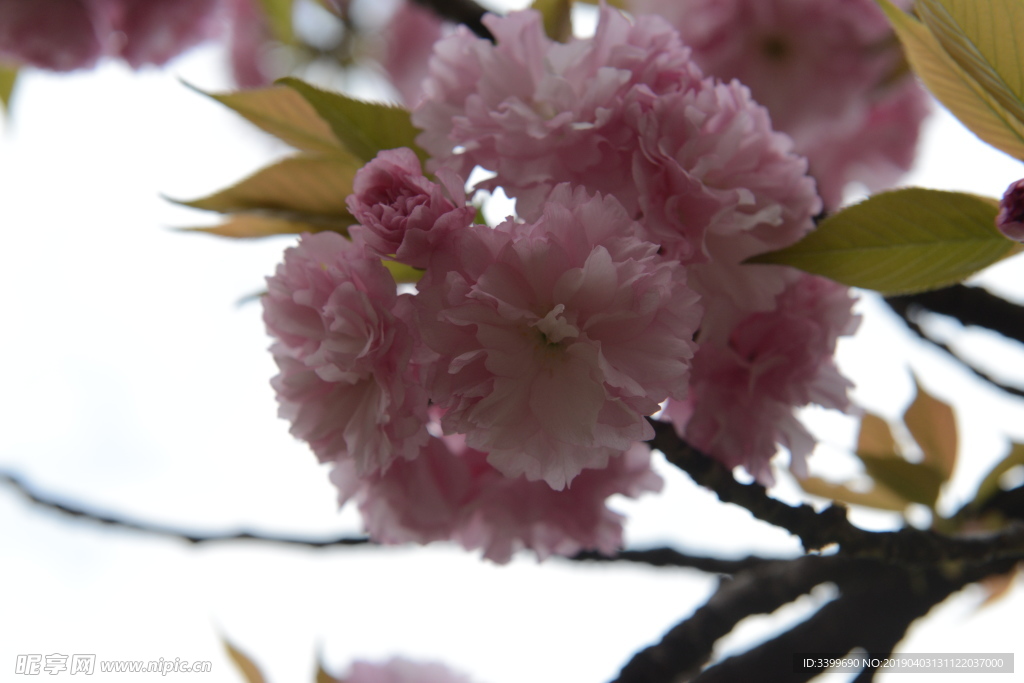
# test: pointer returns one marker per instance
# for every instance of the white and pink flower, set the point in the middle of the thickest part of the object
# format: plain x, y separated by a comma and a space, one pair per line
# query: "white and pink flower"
555, 338
744, 389
346, 383
538, 113
827, 70
450, 492
399, 670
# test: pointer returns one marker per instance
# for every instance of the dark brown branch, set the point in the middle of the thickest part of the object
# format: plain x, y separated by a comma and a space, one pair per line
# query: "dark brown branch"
760, 590
655, 557
461, 12
83, 513
876, 605
817, 530
909, 312
669, 557
969, 305
877, 602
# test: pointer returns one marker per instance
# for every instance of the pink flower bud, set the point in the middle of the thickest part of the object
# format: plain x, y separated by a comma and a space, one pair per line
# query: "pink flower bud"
1010, 220
398, 207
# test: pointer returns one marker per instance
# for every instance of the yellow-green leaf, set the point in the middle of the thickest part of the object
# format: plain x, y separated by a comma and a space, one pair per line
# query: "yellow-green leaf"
364, 128
954, 87
933, 426
283, 113
250, 225
983, 36
304, 184
875, 437
878, 497
402, 273
917, 483
323, 677
903, 241
245, 665
621, 4
557, 16
8, 76
279, 18
990, 484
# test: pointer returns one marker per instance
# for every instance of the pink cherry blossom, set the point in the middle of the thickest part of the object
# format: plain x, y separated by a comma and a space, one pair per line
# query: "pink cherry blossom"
157, 30
510, 514
248, 36
451, 492
715, 182
346, 381
537, 112
65, 35
61, 35
875, 148
1010, 220
409, 39
399, 670
824, 70
555, 338
625, 113
743, 392
401, 211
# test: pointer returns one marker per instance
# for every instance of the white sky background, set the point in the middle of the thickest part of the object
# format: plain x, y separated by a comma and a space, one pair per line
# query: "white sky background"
134, 385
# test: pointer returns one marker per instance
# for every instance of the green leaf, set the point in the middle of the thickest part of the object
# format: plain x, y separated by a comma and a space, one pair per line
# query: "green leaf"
279, 18
903, 241
285, 114
304, 193
303, 184
878, 497
364, 128
967, 99
990, 484
251, 225
557, 16
982, 37
245, 665
933, 426
8, 77
875, 437
917, 483
402, 273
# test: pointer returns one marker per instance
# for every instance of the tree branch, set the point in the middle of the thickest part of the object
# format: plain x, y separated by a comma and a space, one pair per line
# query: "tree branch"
669, 557
909, 311
760, 590
461, 12
817, 530
84, 513
969, 305
654, 557
877, 602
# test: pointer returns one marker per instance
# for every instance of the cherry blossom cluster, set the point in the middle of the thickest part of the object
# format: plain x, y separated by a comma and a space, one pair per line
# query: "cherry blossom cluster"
506, 396
66, 35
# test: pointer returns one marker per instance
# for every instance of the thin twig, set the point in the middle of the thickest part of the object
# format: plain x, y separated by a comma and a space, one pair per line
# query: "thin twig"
85, 513
971, 306
461, 12
908, 312
669, 557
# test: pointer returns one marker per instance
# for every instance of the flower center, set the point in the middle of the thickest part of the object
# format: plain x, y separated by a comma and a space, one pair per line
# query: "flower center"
554, 327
